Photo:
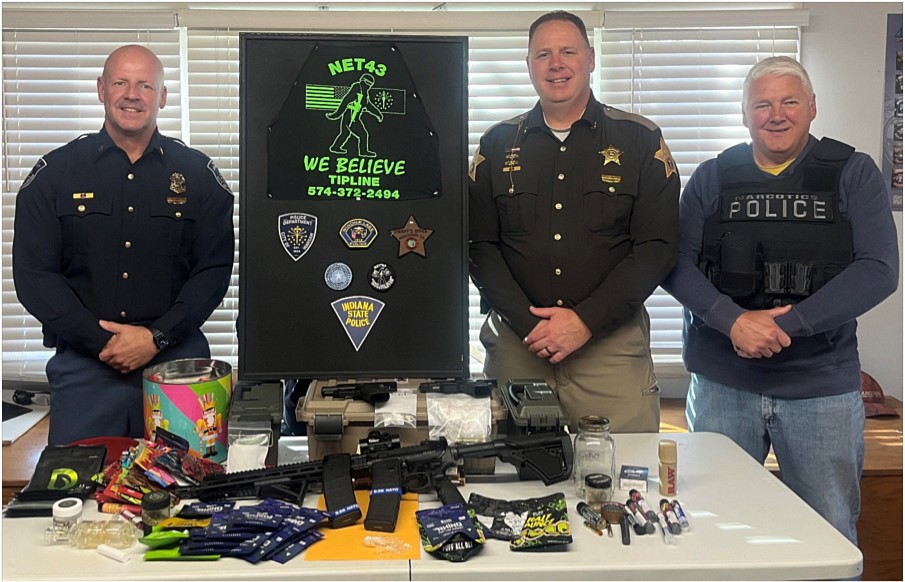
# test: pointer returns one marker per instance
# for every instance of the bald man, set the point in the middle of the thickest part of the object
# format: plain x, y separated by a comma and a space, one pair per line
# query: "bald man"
123, 247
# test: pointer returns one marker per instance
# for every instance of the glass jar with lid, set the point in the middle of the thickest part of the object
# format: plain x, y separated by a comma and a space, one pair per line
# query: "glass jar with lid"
595, 452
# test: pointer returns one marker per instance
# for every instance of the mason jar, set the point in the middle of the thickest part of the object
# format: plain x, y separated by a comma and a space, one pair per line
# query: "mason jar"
595, 452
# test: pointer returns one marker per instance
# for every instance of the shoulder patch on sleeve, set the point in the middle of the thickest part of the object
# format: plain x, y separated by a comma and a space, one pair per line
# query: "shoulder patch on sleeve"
619, 115
218, 176
42, 163
475, 162
664, 155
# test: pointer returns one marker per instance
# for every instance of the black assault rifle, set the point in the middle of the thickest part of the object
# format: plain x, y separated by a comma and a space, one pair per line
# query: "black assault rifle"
546, 456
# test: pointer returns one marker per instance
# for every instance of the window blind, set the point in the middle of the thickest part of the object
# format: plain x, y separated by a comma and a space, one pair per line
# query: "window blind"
49, 99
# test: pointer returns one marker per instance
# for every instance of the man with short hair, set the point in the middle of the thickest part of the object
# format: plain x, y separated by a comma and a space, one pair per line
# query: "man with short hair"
783, 243
123, 247
573, 219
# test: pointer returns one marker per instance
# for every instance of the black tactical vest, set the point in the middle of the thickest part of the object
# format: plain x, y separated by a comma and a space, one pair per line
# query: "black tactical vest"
776, 241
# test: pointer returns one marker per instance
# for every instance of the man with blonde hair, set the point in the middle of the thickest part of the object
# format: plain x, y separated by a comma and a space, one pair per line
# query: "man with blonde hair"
783, 243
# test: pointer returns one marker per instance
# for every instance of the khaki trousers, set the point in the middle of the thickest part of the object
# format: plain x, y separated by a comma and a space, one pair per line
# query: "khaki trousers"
612, 376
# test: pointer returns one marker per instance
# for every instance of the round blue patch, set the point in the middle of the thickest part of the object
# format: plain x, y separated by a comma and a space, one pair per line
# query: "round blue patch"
338, 276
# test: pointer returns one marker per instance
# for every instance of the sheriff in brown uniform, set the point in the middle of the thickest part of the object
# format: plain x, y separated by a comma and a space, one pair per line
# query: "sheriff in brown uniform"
573, 224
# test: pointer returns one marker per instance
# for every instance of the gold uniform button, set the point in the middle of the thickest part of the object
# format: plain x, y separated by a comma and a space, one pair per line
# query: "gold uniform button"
122, 314
557, 272
612, 188
557, 236
128, 244
125, 275
131, 176
131, 209
559, 302
561, 177
562, 148
558, 206
81, 208
178, 215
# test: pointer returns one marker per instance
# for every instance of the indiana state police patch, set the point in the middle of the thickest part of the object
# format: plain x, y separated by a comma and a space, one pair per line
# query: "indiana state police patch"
357, 315
297, 231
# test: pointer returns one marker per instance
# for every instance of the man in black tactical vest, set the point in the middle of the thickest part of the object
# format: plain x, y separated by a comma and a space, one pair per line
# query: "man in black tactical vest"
783, 243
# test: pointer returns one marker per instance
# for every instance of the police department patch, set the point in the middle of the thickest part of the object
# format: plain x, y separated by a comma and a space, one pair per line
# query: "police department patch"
34, 173
358, 233
220, 180
297, 231
382, 277
338, 276
357, 315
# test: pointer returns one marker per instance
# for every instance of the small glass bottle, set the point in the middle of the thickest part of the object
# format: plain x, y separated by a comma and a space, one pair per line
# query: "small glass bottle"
89, 534
116, 533
66, 512
595, 451
155, 507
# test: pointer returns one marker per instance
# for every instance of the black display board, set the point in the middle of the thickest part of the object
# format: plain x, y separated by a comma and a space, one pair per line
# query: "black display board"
352, 164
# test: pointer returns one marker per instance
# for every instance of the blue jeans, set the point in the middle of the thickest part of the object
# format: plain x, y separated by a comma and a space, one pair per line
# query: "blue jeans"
818, 442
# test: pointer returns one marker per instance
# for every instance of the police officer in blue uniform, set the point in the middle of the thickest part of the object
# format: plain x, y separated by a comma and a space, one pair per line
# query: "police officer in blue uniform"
123, 247
573, 222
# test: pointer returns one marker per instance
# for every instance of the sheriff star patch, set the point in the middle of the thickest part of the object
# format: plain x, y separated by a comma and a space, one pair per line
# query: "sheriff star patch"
664, 155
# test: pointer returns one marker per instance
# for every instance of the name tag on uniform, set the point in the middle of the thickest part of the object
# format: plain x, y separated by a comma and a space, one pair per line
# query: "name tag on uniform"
770, 206
82, 195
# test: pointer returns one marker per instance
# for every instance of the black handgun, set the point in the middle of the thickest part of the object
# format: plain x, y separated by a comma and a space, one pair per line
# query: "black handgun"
370, 392
476, 388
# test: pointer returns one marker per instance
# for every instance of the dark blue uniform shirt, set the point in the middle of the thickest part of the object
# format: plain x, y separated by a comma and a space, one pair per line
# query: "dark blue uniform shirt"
98, 237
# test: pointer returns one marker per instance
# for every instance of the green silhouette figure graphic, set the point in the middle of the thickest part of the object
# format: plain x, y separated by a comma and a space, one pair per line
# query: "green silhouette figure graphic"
351, 112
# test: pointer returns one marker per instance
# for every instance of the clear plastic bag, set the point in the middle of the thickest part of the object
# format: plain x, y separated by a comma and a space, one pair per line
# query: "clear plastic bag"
400, 411
459, 417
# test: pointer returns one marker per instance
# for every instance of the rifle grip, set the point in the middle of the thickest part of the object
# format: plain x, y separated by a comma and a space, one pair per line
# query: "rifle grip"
339, 497
447, 492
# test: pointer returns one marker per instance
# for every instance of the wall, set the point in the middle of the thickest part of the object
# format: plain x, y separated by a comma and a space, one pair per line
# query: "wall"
843, 50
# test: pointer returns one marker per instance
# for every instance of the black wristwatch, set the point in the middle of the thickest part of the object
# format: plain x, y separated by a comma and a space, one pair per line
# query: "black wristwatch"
160, 339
